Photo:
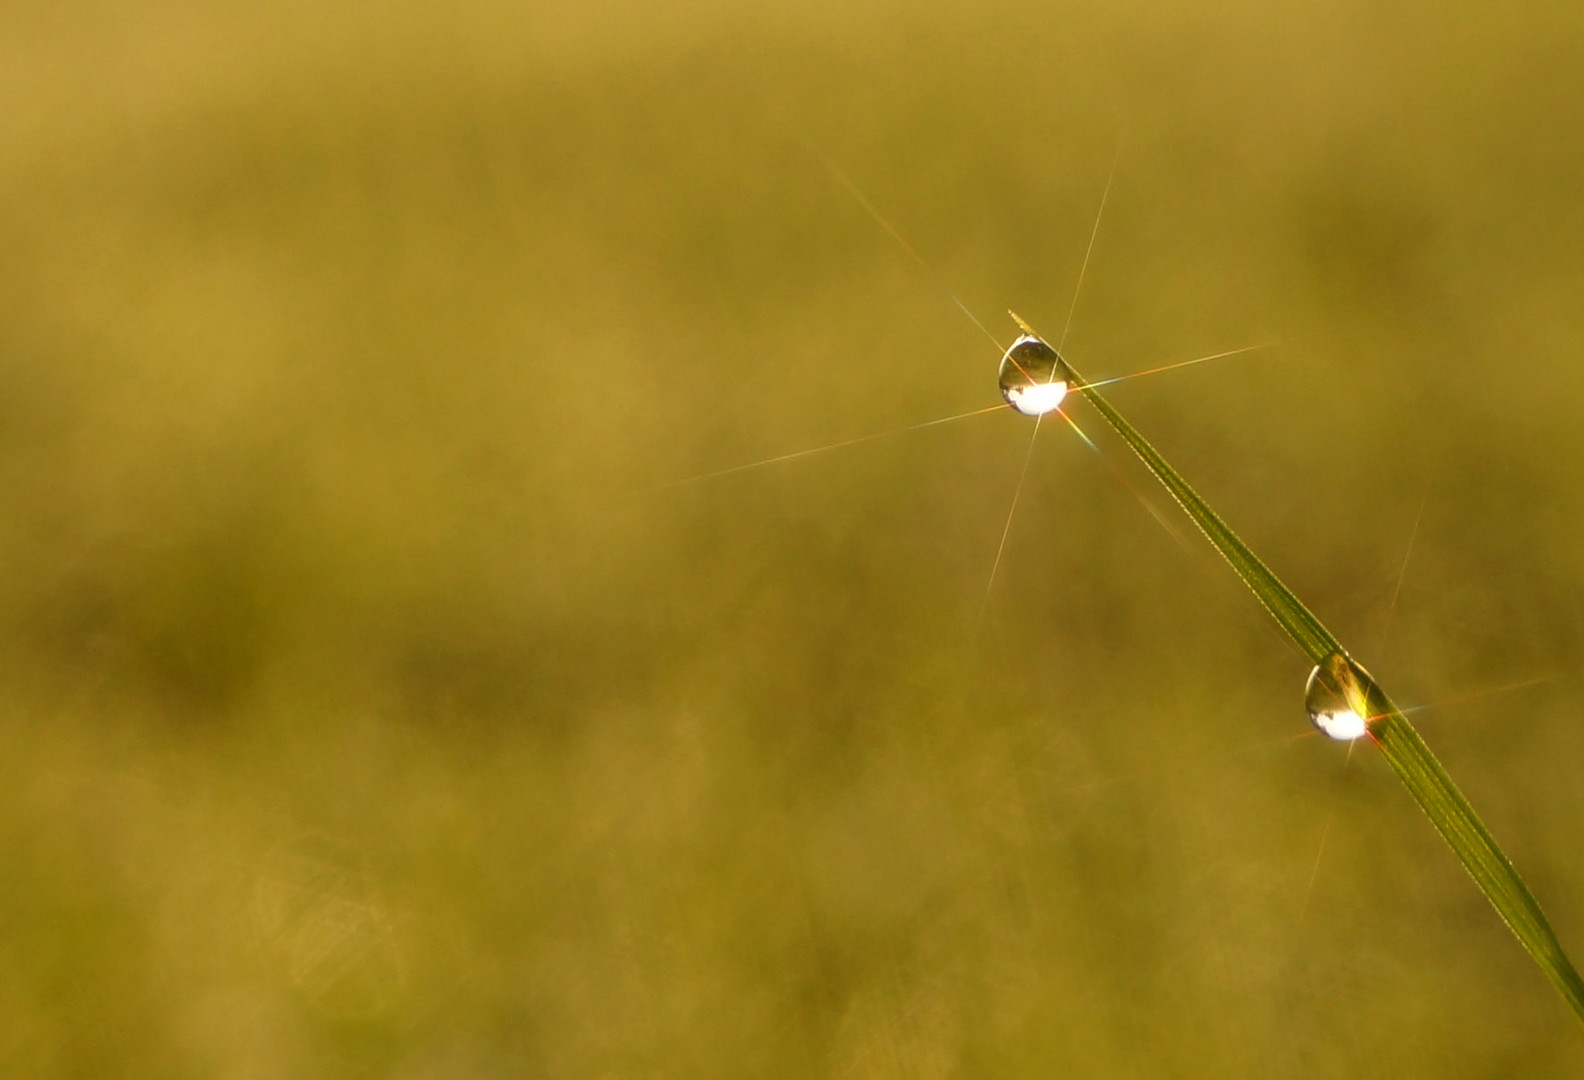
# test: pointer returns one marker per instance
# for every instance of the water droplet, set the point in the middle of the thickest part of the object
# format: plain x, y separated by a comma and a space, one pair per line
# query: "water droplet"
1031, 379
1337, 698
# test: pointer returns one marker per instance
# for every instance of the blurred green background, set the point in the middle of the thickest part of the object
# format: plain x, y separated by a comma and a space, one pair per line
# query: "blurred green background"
373, 705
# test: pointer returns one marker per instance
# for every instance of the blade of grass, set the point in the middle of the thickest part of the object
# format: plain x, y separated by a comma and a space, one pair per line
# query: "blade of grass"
1434, 790
1405, 751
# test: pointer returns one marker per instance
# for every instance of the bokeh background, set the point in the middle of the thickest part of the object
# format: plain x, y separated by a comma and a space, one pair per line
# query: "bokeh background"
374, 704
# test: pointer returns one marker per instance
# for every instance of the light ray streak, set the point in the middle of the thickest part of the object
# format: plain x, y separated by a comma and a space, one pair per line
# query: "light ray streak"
1011, 512
1314, 873
1094, 232
1098, 383
1458, 699
863, 200
1144, 500
978, 412
1076, 429
1402, 574
829, 446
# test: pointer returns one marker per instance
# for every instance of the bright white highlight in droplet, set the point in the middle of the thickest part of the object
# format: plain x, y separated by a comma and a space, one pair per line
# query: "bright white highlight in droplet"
1030, 377
1344, 726
1036, 400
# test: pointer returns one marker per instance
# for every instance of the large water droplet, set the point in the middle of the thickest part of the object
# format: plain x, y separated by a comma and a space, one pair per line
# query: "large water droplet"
1031, 378
1337, 698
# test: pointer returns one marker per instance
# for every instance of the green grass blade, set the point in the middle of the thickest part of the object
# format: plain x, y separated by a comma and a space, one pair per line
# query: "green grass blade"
1305, 630
1407, 754
1460, 826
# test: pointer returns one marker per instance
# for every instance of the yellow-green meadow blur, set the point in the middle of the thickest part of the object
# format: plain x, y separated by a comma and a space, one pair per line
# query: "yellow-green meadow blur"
400, 679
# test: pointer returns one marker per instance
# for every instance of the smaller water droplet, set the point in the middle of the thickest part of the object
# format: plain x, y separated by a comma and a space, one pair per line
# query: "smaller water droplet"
1337, 698
1031, 378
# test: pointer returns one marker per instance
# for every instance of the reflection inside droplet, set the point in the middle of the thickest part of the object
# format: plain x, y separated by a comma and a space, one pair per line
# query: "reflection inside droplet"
1336, 700
1030, 379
